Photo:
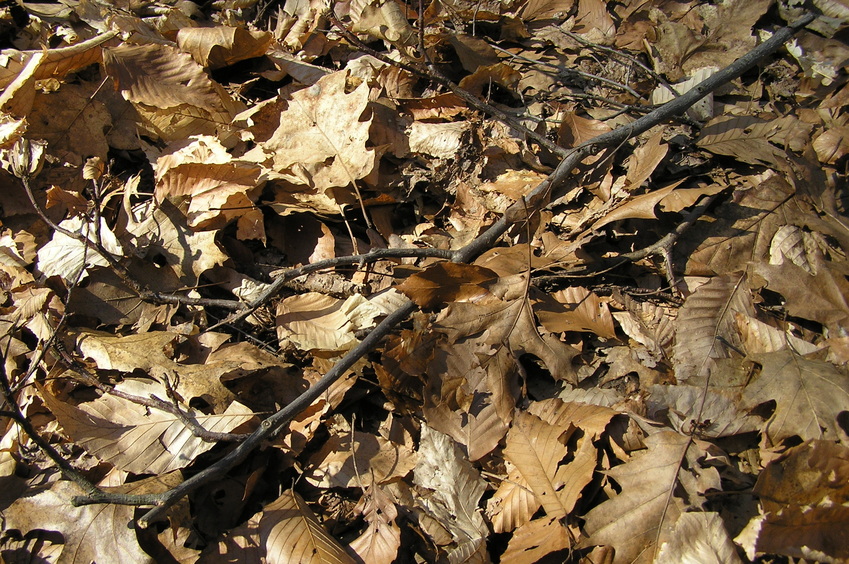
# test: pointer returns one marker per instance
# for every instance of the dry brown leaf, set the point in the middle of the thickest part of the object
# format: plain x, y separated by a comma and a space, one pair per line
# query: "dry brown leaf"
220, 188
745, 138
369, 460
471, 394
546, 9
513, 322
592, 419
448, 282
285, 531
740, 231
534, 447
809, 395
220, 46
803, 505
171, 92
705, 327
575, 130
646, 510
798, 246
823, 297
575, 309
535, 539
160, 76
473, 52
513, 503
644, 161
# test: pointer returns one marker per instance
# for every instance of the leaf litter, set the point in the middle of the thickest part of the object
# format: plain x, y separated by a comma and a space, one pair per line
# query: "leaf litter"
208, 207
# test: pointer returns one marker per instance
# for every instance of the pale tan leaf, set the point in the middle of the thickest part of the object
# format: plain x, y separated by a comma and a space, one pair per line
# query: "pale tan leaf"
385, 20
513, 503
65, 256
371, 459
698, 537
439, 140
705, 327
137, 439
647, 323
533, 446
92, 533
164, 233
320, 140
832, 144
221, 188
55, 62
647, 509
759, 337
545, 9
381, 540
809, 394
289, 532
455, 489
795, 245
147, 352
313, 321
535, 539
220, 46
702, 110
710, 411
